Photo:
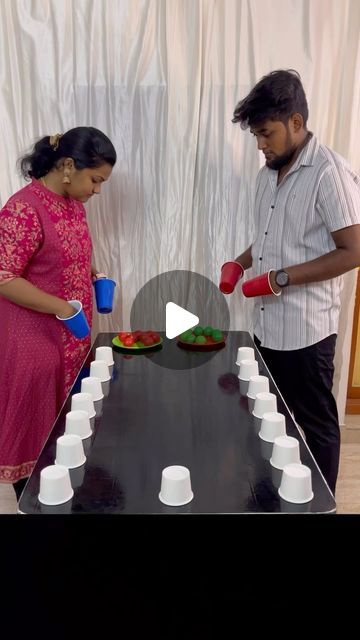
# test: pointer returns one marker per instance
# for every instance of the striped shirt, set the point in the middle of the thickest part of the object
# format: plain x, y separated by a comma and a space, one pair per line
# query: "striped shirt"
293, 224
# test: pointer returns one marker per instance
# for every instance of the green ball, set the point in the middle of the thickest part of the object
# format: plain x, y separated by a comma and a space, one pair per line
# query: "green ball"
198, 331
200, 340
190, 338
217, 335
184, 336
208, 331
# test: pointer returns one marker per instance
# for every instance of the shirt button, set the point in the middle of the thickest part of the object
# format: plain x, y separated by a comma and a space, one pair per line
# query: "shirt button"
272, 206
262, 308
266, 233
260, 258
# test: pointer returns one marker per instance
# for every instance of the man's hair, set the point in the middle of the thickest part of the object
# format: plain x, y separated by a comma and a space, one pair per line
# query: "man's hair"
277, 96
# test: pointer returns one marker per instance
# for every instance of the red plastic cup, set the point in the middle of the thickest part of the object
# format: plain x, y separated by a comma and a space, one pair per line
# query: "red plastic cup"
231, 272
259, 286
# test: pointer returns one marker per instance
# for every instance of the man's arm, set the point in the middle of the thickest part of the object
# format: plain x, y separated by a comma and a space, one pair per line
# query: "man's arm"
25, 294
345, 257
245, 259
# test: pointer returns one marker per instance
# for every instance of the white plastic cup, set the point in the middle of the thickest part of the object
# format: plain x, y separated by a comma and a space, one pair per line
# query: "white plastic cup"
105, 353
264, 402
70, 451
257, 384
247, 369
55, 485
296, 485
100, 369
175, 486
272, 426
93, 386
245, 353
83, 402
78, 423
285, 451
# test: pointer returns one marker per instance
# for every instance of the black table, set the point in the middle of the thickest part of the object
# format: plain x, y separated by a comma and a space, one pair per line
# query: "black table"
154, 417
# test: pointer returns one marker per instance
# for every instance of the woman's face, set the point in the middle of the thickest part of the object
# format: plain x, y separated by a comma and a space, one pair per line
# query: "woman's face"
85, 182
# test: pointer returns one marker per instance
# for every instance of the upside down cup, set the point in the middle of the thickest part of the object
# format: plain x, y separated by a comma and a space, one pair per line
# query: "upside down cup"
175, 488
245, 353
296, 485
105, 353
285, 451
55, 485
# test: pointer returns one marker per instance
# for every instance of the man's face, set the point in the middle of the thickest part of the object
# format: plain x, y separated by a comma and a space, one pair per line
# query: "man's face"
277, 142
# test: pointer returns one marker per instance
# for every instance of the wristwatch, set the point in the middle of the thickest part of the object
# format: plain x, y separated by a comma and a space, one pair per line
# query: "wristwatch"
282, 278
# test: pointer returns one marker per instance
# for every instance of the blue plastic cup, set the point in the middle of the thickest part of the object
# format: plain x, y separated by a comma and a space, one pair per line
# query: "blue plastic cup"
77, 324
104, 293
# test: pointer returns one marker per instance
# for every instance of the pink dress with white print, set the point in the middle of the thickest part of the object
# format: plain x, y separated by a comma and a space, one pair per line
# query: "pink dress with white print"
45, 239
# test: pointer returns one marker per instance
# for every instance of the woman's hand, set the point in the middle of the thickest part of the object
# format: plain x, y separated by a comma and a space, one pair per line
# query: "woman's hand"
97, 275
66, 310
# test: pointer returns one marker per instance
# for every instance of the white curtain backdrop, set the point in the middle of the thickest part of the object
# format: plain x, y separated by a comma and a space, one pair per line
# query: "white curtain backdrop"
161, 78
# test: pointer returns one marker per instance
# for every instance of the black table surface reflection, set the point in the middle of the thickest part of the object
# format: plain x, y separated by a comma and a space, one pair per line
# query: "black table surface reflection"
154, 417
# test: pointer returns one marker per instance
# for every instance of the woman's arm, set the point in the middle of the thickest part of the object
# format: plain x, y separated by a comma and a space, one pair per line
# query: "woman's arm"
25, 294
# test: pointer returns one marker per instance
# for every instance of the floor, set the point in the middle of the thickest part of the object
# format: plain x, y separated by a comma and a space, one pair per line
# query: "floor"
348, 484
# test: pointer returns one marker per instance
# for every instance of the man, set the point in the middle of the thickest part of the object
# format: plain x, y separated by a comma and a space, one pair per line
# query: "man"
307, 234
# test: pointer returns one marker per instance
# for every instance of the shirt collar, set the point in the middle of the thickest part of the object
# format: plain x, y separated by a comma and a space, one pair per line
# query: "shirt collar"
307, 155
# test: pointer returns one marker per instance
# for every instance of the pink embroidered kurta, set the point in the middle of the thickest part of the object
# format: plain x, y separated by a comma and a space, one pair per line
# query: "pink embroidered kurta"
45, 239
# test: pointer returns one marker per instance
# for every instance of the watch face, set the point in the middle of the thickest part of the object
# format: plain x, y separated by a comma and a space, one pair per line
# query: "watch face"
282, 278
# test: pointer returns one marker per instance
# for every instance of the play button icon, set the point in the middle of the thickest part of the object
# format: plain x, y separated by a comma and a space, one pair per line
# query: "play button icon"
178, 320
172, 303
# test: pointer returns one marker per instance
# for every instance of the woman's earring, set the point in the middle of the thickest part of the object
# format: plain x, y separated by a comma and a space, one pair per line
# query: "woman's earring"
66, 178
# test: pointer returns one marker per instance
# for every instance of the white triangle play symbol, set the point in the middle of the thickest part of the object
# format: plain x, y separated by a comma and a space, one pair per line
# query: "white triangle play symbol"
178, 320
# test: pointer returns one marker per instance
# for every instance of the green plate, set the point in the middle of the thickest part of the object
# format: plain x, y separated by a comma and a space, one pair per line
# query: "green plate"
118, 346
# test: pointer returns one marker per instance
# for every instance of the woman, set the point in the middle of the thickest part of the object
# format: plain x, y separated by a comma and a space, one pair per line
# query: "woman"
45, 260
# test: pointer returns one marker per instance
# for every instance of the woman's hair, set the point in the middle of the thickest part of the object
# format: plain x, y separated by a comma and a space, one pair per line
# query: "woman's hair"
277, 96
87, 146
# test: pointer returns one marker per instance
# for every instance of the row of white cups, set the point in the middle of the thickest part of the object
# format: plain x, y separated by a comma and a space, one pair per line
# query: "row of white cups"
55, 480
296, 483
